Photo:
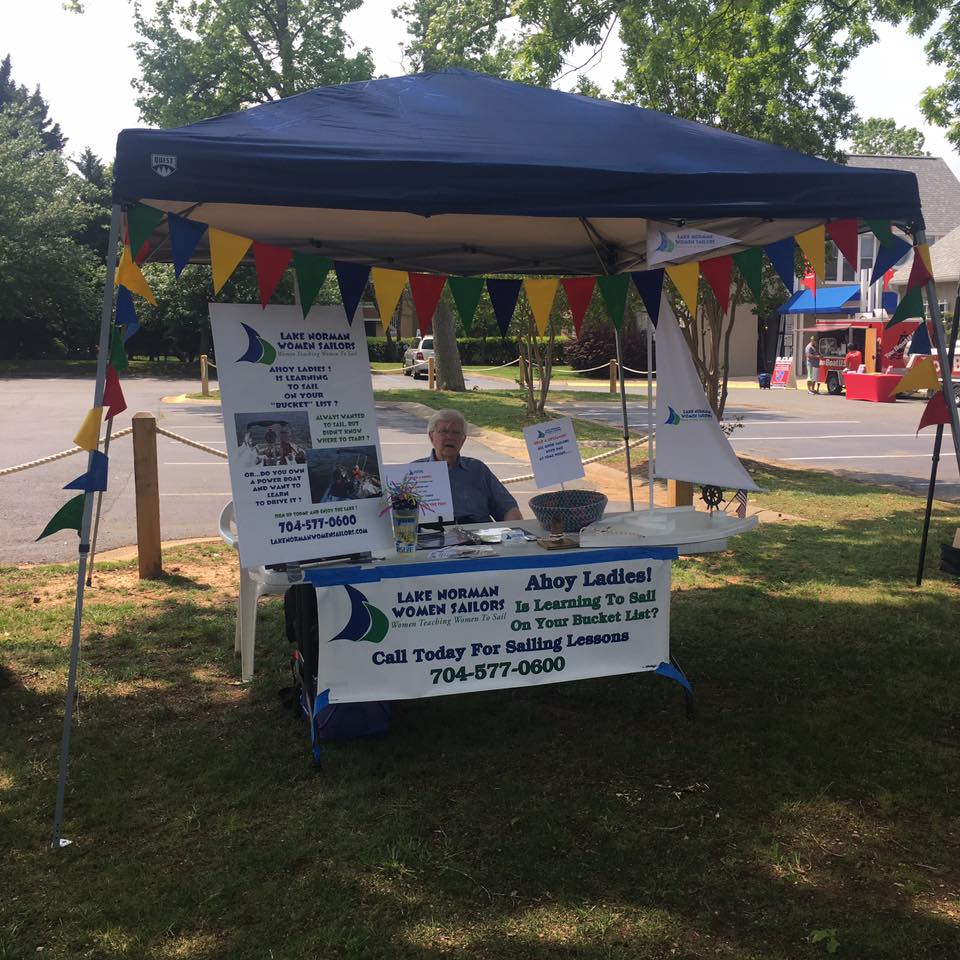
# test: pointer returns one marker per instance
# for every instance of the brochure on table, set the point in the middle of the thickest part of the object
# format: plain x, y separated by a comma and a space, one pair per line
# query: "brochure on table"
553, 450
302, 442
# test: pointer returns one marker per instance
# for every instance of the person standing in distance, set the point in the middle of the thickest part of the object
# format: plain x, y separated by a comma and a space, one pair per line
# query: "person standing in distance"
813, 366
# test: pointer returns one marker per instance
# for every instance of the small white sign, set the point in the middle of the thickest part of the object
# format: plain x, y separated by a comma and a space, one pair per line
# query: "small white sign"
667, 242
432, 480
553, 451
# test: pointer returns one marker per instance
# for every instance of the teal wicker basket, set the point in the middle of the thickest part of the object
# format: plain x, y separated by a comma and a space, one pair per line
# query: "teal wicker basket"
576, 509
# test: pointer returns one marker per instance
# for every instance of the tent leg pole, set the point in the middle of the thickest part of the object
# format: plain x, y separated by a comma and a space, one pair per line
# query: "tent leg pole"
650, 424
623, 408
106, 316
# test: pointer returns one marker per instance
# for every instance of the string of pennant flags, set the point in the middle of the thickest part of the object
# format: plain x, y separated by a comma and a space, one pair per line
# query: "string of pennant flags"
227, 251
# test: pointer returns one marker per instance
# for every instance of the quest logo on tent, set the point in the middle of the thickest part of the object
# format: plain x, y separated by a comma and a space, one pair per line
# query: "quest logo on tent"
258, 349
163, 164
367, 622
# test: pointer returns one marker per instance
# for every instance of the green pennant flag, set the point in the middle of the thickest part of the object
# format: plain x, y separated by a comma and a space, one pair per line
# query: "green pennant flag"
750, 264
68, 517
910, 306
466, 294
614, 292
118, 355
881, 230
311, 273
141, 222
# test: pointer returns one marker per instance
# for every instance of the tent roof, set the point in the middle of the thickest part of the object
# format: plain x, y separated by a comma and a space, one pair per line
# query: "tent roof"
824, 300
455, 159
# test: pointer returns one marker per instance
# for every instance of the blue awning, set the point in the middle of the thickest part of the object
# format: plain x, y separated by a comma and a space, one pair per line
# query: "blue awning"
826, 300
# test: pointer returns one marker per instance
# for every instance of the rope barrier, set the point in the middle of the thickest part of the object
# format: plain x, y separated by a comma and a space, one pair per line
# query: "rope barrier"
642, 373
509, 363
192, 443
58, 456
591, 369
210, 363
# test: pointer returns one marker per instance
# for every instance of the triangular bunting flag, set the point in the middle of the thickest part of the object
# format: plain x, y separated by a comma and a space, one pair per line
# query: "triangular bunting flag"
881, 230
68, 517
649, 284
813, 243
118, 353
352, 279
910, 306
466, 294
935, 412
503, 296
686, 278
129, 276
113, 398
920, 344
88, 436
750, 264
780, 255
923, 249
96, 476
845, 234
184, 237
226, 252
887, 257
579, 291
919, 274
717, 272
126, 314
921, 376
311, 274
141, 222
387, 286
540, 295
270, 263
613, 289
425, 288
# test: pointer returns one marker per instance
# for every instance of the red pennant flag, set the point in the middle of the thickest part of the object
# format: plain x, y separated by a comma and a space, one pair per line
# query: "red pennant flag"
887, 277
844, 234
579, 291
113, 398
919, 274
810, 280
718, 272
270, 262
935, 411
142, 252
425, 288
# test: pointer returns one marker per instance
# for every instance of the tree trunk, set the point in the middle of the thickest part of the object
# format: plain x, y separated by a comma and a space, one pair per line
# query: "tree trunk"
449, 371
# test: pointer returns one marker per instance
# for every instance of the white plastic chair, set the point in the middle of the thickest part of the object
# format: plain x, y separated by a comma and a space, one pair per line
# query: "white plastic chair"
255, 582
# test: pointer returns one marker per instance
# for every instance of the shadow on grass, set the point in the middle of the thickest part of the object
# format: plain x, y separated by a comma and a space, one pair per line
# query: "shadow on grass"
817, 789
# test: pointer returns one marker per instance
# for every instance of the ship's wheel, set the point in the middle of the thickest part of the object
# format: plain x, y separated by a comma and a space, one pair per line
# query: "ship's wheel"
711, 496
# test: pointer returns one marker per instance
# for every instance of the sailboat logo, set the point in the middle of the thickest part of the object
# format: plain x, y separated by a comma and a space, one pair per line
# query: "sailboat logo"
367, 622
666, 245
258, 349
673, 418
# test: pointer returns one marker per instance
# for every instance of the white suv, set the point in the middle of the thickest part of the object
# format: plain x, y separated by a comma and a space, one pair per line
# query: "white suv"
415, 357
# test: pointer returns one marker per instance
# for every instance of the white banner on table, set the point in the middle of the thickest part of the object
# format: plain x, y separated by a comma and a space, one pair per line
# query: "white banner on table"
432, 482
553, 451
301, 433
413, 633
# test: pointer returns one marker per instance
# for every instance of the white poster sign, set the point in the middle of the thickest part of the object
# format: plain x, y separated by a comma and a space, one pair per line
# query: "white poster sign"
301, 433
666, 242
553, 451
430, 480
416, 631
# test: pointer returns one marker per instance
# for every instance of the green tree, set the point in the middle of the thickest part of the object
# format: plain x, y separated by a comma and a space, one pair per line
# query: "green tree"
940, 104
20, 102
881, 136
203, 58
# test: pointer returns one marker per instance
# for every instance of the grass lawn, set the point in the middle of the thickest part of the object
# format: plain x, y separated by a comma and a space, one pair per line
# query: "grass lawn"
814, 800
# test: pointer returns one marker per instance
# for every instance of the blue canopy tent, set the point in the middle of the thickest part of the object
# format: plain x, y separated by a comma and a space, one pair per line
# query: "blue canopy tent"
832, 300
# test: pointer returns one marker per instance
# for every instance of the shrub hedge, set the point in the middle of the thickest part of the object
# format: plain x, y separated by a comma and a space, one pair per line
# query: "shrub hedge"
598, 346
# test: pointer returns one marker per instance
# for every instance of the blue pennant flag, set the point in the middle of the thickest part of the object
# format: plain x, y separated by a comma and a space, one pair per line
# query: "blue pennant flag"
673, 672
503, 296
184, 237
780, 254
920, 344
351, 278
96, 476
126, 314
649, 284
887, 257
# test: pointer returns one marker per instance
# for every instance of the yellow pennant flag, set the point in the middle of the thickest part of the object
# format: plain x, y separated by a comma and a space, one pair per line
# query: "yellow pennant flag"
540, 296
88, 436
129, 276
686, 278
921, 376
813, 243
923, 250
226, 252
388, 286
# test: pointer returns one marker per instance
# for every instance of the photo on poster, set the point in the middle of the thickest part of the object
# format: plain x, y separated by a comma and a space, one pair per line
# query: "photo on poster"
343, 473
266, 439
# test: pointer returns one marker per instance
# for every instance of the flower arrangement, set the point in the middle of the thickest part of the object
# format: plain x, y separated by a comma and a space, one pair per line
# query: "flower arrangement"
405, 496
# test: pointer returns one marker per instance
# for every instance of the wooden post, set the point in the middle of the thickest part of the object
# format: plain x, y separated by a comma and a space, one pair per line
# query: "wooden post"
679, 493
614, 377
147, 488
204, 376
431, 373
522, 368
